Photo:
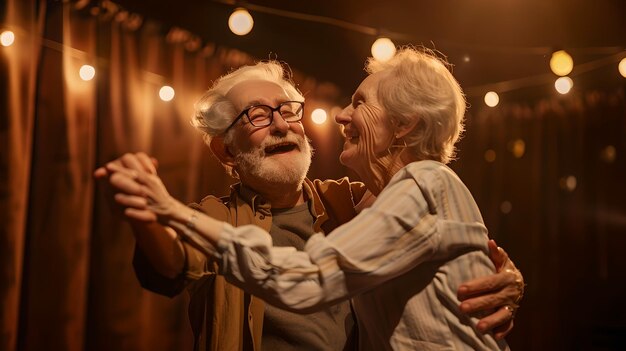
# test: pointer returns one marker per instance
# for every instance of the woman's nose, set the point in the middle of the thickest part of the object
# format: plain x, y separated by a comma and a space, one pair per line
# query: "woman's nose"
345, 116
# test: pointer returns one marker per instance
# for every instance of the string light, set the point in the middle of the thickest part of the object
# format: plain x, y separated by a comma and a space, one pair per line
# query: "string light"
319, 116
383, 49
622, 67
563, 85
87, 72
561, 63
492, 99
7, 38
166, 93
240, 21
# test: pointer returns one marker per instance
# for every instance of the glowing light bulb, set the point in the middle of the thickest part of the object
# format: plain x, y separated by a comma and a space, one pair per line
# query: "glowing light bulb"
561, 63
240, 22
383, 49
622, 67
563, 85
166, 93
7, 38
319, 116
492, 99
87, 72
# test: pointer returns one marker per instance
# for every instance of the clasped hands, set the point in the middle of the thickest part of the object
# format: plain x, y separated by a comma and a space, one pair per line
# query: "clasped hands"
138, 192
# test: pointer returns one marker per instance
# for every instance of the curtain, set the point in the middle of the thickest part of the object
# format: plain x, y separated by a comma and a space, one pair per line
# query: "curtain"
548, 177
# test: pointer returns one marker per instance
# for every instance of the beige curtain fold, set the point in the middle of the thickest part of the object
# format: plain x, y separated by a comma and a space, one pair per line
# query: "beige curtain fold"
19, 71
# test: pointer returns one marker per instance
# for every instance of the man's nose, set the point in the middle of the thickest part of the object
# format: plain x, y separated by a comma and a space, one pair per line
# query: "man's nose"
278, 123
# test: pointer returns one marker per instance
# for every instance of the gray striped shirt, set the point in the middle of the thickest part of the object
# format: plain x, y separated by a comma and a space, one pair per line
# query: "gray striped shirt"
401, 261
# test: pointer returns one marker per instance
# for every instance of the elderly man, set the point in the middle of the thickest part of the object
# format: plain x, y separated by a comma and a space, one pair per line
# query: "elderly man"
270, 155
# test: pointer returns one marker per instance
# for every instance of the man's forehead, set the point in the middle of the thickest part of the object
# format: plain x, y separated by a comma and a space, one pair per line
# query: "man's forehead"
255, 92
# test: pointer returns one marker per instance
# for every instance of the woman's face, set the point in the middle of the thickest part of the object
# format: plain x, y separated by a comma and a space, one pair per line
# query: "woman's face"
366, 127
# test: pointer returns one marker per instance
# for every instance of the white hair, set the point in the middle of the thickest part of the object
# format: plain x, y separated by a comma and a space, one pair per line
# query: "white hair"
420, 86
213, 112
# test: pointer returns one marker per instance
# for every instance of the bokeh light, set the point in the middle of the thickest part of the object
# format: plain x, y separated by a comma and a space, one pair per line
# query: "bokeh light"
568, 183
7, 38
383, 49
87, 72
563, 85
561, 63
622, 67
319, 116
166, 93
240, 22
492, 99
490, 155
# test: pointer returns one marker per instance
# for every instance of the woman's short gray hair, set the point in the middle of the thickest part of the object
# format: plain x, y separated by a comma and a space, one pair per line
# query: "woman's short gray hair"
213, 112
420, 86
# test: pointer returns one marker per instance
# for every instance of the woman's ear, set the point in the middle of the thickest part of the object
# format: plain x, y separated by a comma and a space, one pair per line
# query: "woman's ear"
406, 128
221, 151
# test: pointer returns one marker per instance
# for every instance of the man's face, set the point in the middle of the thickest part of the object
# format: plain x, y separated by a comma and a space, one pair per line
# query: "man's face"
366, 126
277, 153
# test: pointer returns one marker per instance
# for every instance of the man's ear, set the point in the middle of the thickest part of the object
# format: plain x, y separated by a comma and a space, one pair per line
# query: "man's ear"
221, 151
406, 128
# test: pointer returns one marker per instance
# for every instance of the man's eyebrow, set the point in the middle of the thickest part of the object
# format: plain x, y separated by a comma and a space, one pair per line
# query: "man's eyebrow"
254, 102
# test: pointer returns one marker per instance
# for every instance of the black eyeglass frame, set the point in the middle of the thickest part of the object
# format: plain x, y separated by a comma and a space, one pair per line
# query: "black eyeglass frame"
272, 110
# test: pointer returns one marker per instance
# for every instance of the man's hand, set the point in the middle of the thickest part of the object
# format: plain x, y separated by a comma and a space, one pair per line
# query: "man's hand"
123, 193
501, 291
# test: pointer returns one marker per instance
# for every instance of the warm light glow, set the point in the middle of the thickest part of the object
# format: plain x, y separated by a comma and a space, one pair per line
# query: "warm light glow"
608, 154
561, 63
622, 67
568, 183
87, 72
319, 116
563, 85
518, 148
166, 93
240, 22
506, 207
490, 156
383, 49
7, 38
492, 99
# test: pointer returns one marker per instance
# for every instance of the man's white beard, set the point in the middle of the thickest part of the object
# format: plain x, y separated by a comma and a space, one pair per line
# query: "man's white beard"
289, 171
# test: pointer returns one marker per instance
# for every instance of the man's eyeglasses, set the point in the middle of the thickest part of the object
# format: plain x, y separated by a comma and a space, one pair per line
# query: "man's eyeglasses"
263, 115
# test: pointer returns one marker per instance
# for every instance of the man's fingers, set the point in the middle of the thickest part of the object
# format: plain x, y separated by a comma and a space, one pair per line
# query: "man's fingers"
496, 319
484, 303
146, 163
100, 173
485, 284
131, 161
503, 330
140, 215
125, 184
497, 255
126, 200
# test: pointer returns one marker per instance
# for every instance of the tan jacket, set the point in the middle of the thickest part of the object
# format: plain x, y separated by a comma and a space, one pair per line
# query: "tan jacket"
221, 315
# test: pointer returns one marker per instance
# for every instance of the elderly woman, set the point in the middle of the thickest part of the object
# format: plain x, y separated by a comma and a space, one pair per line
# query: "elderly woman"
400, 260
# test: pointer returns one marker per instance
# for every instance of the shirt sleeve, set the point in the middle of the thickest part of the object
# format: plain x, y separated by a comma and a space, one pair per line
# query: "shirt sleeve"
400, 231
